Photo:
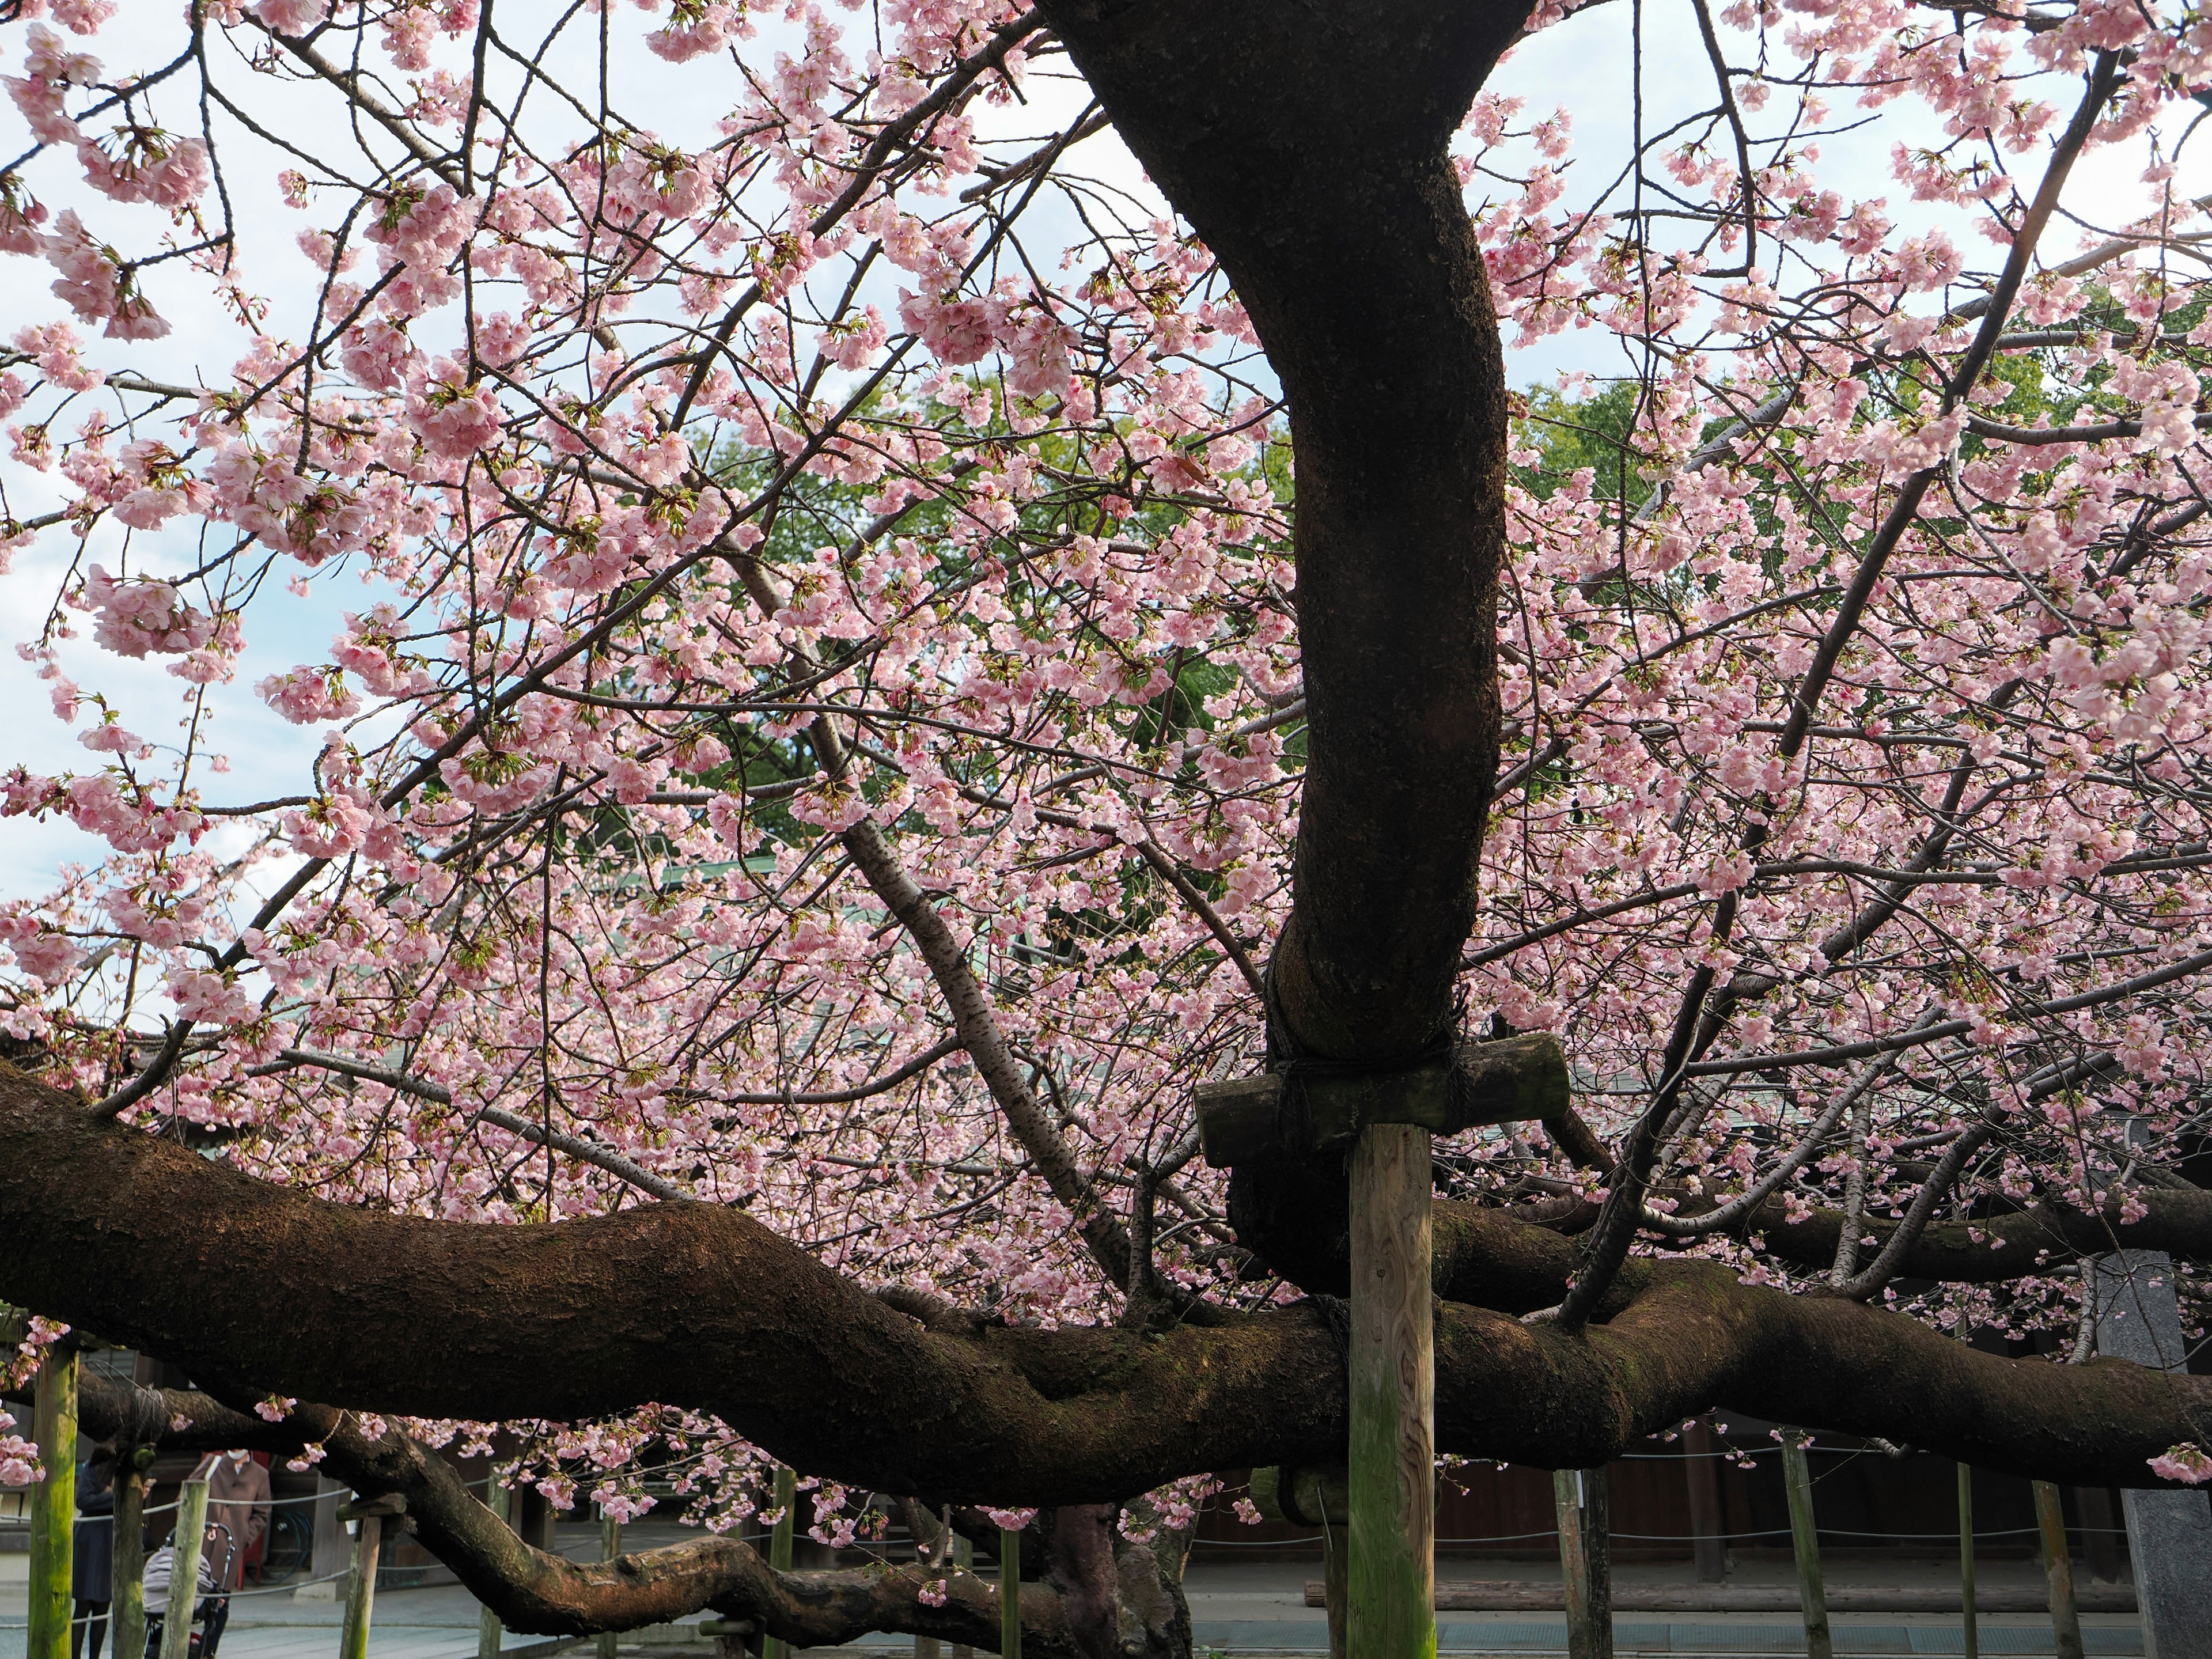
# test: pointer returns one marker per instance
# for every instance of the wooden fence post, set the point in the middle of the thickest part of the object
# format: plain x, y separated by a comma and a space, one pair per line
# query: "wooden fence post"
609, 1547
779, 1547
1392, 1583
360, 1594
186, 1540
1700, 1467
1009, 1594
1579, 1497
1971, 1627
490, 1634
1805, 1538
53, 1502
2058, 1568
963, 1560
126, 1593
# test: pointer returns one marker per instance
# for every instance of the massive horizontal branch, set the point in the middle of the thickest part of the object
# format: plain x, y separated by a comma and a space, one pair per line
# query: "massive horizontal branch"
2004, 1247
541, 1593
262, 1289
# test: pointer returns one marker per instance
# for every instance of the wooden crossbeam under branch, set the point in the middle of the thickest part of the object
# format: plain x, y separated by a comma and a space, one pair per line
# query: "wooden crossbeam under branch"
1516, 1080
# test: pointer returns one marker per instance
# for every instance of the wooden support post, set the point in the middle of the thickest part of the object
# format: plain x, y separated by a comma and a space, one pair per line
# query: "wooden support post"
1805, 1538
1313, 1496
963, 1560
333, 1551
1010, 1594
1701, 1470
2058, 1568
609, 1547
360, 1594
2100, 1540
1972, 1626
53, 1502
126, 1592
490, 1634
186, 1540
779, 1546
1336, 1585
1579, 1500
1392, 1581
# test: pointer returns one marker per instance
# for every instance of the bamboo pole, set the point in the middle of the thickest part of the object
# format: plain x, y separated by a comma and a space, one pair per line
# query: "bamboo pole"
1392, 1573
186, 1540
779, 1547
54, 1503
2058, 1567
1009, 1594
490, 1634
1805, 1539
609, 1547
126, 1593
1970, 1628
963, 1560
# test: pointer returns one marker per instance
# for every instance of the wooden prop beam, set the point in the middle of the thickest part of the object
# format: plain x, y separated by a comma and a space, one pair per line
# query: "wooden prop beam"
2058, 1569
54, 1503
1392, 1395
490, 1634
1969, 1608
126, 1611
1313, 1496
1805, 1541
361, 1595
186, 1540
1513, 1081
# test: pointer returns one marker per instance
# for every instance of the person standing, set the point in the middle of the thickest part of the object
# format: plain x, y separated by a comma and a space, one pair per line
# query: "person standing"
91, 1551
238, 1504
238, 1499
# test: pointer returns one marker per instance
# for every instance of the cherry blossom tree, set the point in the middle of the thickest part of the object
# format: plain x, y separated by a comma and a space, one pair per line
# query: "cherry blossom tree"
886, 652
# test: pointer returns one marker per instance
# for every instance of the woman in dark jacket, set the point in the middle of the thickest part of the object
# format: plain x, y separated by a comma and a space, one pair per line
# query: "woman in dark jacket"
91, 1551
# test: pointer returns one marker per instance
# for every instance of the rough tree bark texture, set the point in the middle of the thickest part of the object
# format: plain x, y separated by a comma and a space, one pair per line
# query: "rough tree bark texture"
1307, 146
695, 1305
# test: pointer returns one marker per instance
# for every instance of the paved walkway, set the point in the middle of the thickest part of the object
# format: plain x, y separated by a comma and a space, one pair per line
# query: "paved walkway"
1237, 1608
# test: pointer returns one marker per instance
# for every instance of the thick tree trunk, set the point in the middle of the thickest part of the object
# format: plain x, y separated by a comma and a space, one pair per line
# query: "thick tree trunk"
1307, 146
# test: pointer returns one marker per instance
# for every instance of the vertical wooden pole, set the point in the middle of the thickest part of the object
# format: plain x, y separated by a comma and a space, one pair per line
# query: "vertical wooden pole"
186, 1540
1597, 1554
1581, 1499
53, 1502
1700, 1468
333, 1551
963, 1559
1971, 1627
1574, 1564
490, 1633
609, 1547
2058, 1567
360, 1594
126, 1593
1336, 1590
1805, 1538
1010, 1594
2099, 1531
779, 1546
1391, 1582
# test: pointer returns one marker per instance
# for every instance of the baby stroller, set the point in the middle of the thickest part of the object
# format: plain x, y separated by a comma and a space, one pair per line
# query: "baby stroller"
210, 1611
